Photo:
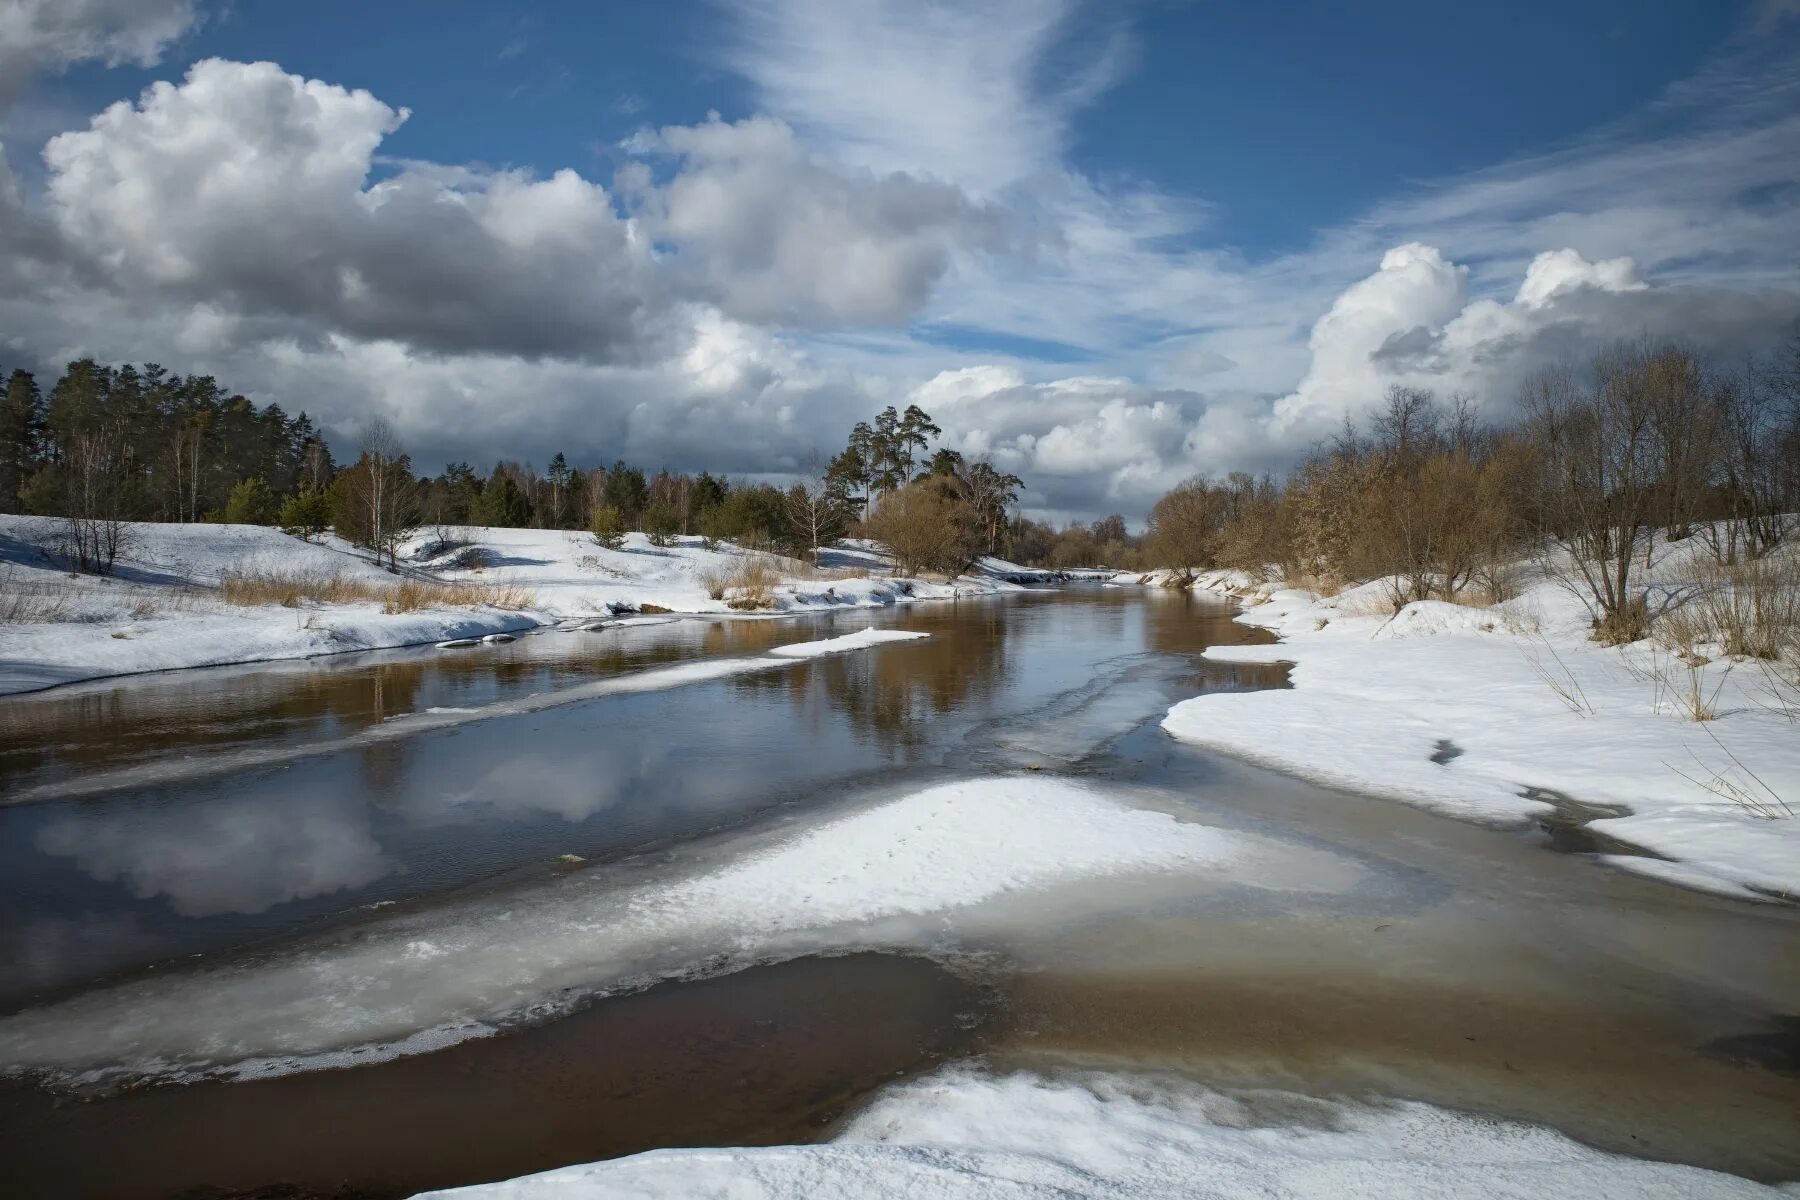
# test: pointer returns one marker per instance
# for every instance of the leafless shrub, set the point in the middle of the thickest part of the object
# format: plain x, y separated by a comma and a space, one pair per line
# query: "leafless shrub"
1750, 609
1599, 487
1756, 606
925, 529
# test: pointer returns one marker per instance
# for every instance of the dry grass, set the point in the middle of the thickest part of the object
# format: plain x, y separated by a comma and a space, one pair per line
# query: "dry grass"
1557, 676
291, 589
1755, 606
24, 602
747, 584
294, 589
1738, 784
1308, 581
1748, 611
1680, 681
411, 595
794, 568
1366, 604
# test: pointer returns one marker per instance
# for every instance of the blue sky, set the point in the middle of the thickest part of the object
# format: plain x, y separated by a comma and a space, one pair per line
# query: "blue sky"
1114, 244
1283, 118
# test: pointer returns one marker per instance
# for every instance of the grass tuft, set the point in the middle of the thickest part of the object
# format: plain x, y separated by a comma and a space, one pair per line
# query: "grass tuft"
295, 589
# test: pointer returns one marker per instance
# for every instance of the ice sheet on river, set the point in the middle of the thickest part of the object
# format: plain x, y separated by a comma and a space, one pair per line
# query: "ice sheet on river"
899, 873
963, 1133
850, 641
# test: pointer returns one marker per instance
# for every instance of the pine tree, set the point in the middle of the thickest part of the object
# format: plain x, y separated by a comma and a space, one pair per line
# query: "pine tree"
77, 404
626, 490
21, 433
502, 504
306, 515
251, 503
556, 480
910, 438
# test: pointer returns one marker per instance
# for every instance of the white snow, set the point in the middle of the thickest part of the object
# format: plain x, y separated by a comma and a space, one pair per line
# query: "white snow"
966, 1133
907, 872
162, 608
1522, 699
850, 641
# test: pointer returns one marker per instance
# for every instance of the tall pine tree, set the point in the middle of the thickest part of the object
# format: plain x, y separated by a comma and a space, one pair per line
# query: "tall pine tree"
21, 434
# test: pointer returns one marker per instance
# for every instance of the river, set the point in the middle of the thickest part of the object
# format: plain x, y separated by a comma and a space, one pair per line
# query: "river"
375, 923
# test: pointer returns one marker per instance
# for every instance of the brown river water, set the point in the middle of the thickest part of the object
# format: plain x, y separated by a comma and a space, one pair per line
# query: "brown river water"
191, 837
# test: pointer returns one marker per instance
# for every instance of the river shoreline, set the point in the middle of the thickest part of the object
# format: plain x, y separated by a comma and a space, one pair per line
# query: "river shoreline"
995, 806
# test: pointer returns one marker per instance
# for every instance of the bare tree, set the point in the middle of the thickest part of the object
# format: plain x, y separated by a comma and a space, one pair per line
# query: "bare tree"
1685, 433
1184, 526
382, 491
1759, 462
1599, 457
185, 457
98, 480
814, 508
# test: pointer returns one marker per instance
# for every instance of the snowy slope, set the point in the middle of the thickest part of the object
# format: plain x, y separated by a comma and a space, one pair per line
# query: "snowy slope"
968, 1134
162, 608
1466, 710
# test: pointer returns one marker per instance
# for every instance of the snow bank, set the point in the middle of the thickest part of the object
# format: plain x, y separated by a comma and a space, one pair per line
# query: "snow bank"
850, 641
967, 1134
905, 873
162, 609
1466, 710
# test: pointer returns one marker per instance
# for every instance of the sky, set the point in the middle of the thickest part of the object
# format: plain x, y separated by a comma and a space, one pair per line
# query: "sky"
1109, 245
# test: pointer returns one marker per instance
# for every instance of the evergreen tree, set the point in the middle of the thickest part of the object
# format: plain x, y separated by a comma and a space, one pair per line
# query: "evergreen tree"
21, 435
251, 503
626, 491
708, 492
461, 494
885, 470
661, 523
502, 503
608, 527
306, 514
910, 437
77, 404
556, 485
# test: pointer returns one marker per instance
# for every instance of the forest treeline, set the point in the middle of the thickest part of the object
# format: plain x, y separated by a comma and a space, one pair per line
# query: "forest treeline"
107, 446
1646, 443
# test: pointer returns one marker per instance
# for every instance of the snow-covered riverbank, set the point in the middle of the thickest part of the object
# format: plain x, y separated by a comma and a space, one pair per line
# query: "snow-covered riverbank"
1511, 714
966, 1133
164, 607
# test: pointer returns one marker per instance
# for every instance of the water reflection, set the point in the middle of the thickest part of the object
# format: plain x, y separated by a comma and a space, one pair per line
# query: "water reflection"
226, 855
127, 721
212, 862
893, 698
